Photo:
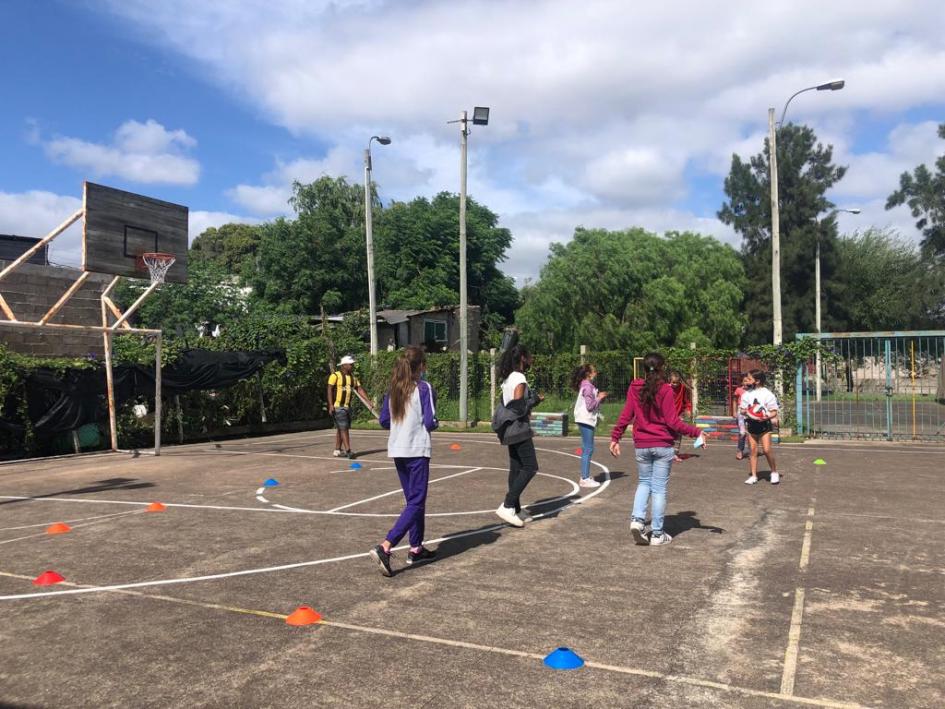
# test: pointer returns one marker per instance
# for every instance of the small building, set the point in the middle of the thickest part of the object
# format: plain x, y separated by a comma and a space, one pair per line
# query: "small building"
437, 329
12, 247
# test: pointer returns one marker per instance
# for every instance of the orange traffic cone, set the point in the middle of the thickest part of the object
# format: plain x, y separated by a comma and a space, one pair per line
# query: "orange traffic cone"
58, 528
455, 447
578, 451
48, 578
303, 615
156, 507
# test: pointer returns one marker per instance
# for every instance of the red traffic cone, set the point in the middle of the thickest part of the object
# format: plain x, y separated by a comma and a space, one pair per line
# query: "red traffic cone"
58, 528
303, 615
156, 507
578, 451
48, 578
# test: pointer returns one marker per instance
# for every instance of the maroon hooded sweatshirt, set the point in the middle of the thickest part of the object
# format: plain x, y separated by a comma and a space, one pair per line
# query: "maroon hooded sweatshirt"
655, 426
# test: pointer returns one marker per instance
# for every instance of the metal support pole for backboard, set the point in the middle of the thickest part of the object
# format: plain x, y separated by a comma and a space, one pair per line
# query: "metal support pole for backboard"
109, 375
491, 383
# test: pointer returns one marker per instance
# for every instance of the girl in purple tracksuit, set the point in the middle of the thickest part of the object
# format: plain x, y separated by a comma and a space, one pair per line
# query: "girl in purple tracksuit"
409, 412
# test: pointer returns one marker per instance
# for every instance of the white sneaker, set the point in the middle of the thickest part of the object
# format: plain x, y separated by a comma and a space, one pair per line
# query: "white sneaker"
589, 482
751, 480
775, 478
662, 539
638, 530
507, 514
336, 453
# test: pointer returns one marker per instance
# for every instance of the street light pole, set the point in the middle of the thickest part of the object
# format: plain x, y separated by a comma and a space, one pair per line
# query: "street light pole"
835, 85
369, 237
463, 314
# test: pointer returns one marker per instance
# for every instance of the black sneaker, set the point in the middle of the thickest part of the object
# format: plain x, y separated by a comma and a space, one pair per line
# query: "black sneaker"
350, 455
383, 560
423, 555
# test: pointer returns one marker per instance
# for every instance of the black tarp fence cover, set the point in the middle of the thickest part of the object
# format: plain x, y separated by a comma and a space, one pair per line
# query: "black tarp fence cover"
59, 401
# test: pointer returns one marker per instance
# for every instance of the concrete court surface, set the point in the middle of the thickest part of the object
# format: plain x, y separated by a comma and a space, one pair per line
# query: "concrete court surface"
827, 590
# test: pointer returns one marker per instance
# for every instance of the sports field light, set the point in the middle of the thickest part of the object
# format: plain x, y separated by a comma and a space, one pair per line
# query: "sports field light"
481, 116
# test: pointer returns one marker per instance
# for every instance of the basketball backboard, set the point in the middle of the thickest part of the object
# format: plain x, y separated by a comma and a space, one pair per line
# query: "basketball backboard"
120, 226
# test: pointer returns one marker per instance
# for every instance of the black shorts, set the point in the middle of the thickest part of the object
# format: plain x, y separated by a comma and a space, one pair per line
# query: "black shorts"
342, 418
758, 428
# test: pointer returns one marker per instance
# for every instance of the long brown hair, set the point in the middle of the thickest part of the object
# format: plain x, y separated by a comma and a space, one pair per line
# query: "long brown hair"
579, 375
654, 378
404, 380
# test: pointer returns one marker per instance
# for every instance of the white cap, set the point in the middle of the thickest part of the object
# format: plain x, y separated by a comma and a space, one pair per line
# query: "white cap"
347, 359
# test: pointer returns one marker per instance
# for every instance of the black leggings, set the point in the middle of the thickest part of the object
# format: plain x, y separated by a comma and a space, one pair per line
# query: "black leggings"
523, 464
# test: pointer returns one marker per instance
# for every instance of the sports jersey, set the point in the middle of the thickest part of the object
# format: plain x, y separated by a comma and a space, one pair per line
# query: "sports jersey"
344, 384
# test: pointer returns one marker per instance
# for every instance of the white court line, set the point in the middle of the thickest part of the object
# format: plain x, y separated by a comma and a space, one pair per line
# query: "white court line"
400, 490
75, 526
797, 615
67, 521
297, 565
139, 504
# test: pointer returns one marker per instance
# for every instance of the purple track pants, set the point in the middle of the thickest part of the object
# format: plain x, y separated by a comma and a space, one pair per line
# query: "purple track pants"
414, 476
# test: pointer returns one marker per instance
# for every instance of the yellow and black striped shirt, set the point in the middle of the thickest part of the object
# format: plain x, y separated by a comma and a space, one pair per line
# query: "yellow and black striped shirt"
344, 384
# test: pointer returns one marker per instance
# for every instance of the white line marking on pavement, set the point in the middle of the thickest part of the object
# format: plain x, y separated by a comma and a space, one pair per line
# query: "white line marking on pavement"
400, 491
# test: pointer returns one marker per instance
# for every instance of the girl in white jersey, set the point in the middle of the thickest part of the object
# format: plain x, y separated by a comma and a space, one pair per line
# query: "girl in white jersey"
759, 406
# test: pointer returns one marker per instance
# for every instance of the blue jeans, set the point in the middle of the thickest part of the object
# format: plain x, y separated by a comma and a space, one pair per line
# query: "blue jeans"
653, 466
587, 449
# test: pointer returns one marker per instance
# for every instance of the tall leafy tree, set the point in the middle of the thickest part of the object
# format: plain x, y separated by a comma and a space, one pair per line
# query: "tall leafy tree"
417, 260
884, 283
924, 192
231, 246
317, 259
634, 290
805, 173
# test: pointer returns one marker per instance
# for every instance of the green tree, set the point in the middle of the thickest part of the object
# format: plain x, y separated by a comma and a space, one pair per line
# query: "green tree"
805, 173
417, 261
634, 290
319, 253
924, 192
211, 294
230, 246
882, 282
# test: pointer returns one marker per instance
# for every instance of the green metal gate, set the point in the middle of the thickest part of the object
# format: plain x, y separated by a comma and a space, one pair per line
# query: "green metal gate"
888, 385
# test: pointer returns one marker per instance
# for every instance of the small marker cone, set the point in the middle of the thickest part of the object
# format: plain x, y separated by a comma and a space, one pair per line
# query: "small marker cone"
563, 659
48, 578
578, 451
355, 466
303, 615
455, 447
820, 461
58, 528
271, 482
156, 507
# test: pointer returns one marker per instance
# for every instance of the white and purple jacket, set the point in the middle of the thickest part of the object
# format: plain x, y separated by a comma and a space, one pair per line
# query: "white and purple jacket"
410, 437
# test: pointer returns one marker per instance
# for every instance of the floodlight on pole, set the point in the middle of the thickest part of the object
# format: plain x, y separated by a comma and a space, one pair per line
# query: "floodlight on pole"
369, 238
835, 85
480, 118
817, 297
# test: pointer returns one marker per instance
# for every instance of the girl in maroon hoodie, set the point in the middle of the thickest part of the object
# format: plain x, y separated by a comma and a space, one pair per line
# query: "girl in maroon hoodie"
651, 409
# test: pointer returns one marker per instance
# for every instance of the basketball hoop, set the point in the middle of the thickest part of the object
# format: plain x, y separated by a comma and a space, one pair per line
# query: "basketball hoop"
158, 265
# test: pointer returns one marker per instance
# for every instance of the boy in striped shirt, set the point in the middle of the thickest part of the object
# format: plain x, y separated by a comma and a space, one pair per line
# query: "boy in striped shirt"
341, 385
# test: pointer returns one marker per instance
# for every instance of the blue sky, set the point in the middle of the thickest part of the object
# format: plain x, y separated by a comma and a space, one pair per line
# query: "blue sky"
599, 118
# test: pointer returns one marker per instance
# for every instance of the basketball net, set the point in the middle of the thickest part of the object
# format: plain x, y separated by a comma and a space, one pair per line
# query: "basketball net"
158, 265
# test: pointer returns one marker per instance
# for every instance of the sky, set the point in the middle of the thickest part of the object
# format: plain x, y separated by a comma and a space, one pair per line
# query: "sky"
603, 113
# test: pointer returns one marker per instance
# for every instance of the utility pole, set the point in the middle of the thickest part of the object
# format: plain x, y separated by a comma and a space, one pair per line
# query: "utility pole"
463, 314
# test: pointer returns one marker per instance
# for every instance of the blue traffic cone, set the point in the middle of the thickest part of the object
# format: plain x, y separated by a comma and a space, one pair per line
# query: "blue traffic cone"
355, 466
564, 659
271, 482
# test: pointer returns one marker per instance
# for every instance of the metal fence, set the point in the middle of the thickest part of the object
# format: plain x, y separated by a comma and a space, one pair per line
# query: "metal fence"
888, 385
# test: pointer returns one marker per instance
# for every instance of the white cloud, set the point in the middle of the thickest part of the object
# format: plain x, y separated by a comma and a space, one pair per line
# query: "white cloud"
141, 152
37, 213
599, 114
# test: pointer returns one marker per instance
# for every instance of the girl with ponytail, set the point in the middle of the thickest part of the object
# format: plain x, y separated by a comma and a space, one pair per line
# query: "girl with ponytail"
651, 409
409, 413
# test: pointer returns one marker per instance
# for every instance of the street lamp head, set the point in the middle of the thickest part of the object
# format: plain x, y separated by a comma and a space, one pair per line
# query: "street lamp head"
831, 85
853, 211
480, 116
383, 140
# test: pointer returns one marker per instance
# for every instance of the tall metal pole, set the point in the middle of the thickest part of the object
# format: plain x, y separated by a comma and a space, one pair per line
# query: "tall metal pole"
775, 230
817, 314
368, 231
463, 314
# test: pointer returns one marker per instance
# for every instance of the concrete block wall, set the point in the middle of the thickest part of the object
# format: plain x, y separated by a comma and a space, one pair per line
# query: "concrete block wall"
31, 290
